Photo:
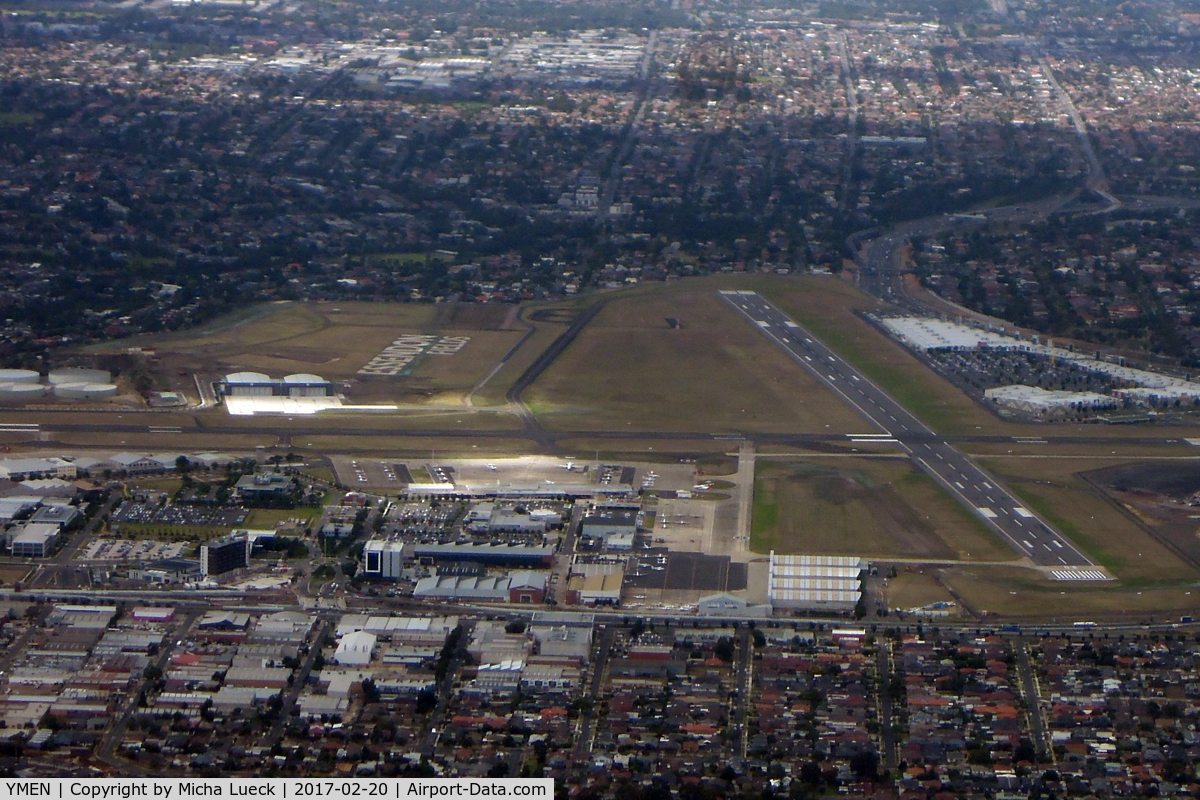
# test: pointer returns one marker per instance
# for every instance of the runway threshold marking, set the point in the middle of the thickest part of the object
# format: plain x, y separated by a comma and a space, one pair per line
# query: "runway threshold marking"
1079, 575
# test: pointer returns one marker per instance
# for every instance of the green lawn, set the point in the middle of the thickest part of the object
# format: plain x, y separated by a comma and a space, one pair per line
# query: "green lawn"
867, 507
14, 118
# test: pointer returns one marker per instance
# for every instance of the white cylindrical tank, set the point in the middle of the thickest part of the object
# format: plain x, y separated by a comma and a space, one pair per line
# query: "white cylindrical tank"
19, 376
85, 391
78, 375
21, 391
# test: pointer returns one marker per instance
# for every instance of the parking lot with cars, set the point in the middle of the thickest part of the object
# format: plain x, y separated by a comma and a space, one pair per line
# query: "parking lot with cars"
131, 550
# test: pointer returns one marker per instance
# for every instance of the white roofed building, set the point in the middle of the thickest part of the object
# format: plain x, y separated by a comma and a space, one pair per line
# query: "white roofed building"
501, 679
19, 469
355, 649
1047, 404
258, 384
35, 540
927, 334
832, 583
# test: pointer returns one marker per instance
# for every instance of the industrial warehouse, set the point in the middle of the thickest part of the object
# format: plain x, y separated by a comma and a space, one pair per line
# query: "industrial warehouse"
250, 393
928, 335
257, 384
832, 583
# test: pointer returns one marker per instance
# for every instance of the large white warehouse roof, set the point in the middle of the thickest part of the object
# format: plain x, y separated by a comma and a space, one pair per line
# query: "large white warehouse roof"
247, 377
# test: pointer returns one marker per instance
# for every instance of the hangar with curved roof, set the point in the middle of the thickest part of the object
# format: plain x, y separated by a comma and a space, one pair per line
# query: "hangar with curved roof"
258, 384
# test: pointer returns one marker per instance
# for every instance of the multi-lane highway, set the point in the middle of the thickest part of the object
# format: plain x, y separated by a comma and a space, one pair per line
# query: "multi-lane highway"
1027, 533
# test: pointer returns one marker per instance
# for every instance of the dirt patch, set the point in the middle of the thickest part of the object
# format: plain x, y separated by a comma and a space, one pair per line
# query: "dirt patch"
837, 489
1173, 479
558, 316
10, 575
901, 522
473, 316
310, 355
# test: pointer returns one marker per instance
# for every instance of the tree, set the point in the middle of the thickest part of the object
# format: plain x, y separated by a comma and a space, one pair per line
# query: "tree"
865, 764
426, 701
1025, 752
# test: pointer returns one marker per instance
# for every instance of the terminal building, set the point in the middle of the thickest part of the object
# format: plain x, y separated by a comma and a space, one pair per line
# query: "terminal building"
257, 384
225, 555
815, 583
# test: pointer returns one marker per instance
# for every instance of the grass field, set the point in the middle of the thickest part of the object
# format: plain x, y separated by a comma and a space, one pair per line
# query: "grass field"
1080, 451
1050, 488
1020, 592
655, 449
13, 118
13, 574
410, 419
628, 370
826, 306
915, 588
183, 442
546, 332
335, 340
321, 472
398, 446
866, 507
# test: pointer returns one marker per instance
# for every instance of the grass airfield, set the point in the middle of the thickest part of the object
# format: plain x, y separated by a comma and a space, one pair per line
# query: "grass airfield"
629, 388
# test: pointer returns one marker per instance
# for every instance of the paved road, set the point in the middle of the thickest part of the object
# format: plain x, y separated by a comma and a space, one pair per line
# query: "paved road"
745, 686
1022, 529
18, 646
846, 69
587, 719
1033, 701
64, 561
745, 494
1097, 181
300, 680
106, 751
445, 691
887, 737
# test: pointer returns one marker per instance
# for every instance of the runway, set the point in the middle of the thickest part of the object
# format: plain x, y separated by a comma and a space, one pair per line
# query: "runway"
982, 494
